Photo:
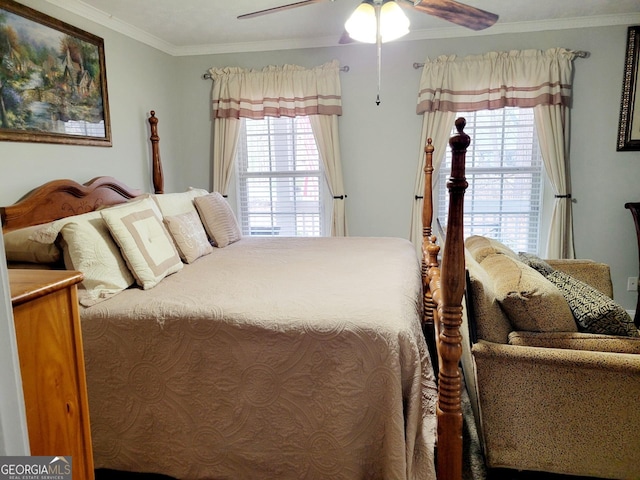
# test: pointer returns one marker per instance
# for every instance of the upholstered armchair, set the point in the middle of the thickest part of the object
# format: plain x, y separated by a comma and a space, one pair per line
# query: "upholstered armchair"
548, 395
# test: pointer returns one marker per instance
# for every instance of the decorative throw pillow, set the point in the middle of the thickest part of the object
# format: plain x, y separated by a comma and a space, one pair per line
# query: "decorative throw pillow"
536, 263
218, 219
20, 246
531, 302
593, 310
89, 248
189, 235
481, 247
144, 241
172, 204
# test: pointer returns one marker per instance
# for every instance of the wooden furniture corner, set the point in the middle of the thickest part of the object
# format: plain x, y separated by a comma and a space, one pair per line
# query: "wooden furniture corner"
49, 339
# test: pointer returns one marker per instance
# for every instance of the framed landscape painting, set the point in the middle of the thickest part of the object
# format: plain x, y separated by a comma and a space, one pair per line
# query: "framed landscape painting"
53, 83
629, 127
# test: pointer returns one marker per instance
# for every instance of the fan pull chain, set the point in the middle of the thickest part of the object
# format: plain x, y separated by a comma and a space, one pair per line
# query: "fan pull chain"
379, 45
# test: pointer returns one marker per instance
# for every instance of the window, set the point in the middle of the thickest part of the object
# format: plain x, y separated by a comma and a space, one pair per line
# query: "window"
504, 170
280, 178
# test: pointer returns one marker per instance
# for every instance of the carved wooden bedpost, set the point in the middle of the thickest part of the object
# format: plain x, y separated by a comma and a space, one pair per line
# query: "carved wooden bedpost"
429, 254
158, 179
452, 280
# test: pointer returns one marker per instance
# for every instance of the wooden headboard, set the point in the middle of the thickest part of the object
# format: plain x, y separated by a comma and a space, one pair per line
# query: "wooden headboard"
62, 198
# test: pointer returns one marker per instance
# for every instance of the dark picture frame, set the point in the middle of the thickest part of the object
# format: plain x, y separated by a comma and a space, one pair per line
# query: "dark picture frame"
629, 126
53, 80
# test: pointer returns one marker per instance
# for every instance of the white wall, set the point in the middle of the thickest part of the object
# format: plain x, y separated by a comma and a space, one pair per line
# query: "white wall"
379, 143
14, 439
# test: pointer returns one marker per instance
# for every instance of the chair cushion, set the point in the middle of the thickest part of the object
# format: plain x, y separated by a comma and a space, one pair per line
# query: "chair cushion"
576, 341
531, 302
491, 323
481, 247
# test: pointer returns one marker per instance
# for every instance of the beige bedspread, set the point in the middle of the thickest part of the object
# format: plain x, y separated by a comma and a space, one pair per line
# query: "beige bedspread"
274, 358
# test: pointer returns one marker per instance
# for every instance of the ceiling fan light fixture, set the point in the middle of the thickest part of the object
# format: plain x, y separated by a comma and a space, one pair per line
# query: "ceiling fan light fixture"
393, 22
362, 25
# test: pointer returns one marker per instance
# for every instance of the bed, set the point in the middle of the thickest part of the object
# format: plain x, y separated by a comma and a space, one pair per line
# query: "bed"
263, 357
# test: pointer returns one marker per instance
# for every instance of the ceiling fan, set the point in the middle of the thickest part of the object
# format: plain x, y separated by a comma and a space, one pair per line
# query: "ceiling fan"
449, 10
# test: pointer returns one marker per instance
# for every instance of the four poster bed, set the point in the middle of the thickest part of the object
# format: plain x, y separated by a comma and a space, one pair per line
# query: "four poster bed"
265, 357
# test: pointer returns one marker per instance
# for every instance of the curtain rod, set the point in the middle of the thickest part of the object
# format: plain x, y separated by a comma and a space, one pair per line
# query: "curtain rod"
207, 76
578, 53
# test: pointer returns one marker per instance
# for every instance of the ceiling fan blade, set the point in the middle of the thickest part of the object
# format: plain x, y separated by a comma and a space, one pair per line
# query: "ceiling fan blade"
279, 9
458, 13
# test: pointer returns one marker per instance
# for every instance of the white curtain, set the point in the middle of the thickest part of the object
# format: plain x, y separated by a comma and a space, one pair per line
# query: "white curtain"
325, 131
437, 126
522, 78
225, 134
277, 91
552, 126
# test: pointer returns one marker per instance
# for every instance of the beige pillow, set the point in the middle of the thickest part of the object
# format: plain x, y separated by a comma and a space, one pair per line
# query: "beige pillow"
531, 302
20, 246
89, 248
189, 235
171, 204
144, 241
218, 219
481, 247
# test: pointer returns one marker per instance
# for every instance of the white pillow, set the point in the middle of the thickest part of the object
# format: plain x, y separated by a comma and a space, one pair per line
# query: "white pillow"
89, 248
218, 219
189, 235
144, 241
171, 204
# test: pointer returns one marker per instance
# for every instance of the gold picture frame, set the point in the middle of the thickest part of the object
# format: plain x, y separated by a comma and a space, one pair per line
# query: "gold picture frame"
629, 126
53, 81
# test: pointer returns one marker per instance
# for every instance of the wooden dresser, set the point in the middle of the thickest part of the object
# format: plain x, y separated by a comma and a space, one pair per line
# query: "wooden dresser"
47, 323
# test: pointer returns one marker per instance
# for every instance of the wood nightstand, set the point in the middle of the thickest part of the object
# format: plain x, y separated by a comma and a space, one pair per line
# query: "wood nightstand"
47, 324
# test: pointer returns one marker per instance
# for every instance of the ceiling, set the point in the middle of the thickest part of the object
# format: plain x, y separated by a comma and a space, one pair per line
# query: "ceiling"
198, 27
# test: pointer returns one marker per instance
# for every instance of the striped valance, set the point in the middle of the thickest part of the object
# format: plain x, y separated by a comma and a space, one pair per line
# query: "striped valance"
494, 80
276, 91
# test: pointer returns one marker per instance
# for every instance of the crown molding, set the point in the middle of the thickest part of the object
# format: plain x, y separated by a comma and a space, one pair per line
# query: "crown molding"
98, 16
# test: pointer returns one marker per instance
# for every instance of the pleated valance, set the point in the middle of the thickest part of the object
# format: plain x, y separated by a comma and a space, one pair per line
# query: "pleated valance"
276, 91
523, 78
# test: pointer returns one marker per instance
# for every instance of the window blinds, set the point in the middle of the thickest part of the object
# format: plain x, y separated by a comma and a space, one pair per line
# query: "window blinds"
504, 170
279, 175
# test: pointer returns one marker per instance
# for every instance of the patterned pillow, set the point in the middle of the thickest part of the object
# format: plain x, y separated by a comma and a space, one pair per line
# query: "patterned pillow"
536, 263
89, 248
593, 310
144, 241
189, 235
218, 219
